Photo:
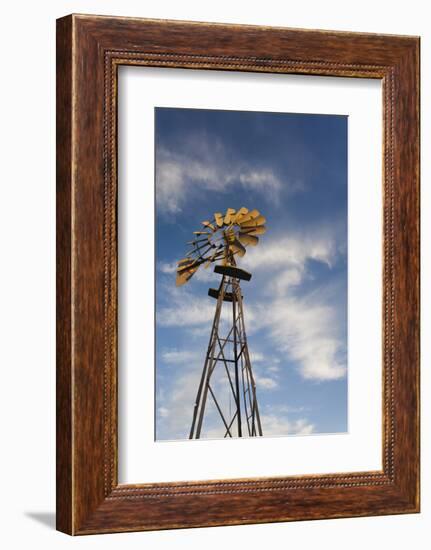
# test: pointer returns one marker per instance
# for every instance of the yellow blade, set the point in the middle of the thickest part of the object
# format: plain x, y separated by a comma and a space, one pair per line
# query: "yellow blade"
184, 276
184, 262
260, 230
246, 238
208, 224
219, 219
240, 214
237, 247
254, 213
250, 216
229, 214
260, 220
188, 267
202, 233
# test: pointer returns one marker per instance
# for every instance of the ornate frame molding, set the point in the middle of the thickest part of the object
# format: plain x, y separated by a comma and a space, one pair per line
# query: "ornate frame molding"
90, 49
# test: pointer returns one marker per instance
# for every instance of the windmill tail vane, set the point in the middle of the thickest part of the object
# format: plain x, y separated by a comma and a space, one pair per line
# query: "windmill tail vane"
226, 396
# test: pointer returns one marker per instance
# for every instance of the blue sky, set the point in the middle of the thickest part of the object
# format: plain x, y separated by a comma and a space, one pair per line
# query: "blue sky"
293, 168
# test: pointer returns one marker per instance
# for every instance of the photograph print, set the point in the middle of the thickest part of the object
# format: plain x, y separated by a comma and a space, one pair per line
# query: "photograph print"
251, 274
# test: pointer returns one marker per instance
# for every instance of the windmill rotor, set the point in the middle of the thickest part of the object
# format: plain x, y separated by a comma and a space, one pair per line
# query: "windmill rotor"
223, 237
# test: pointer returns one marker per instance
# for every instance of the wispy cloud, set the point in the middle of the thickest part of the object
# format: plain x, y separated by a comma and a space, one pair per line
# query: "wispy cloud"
167, 267
309, 332
306, 327
205, 165
179, 356
176, 406
265, 382
293, 251
185, 309
276, 425
174, 415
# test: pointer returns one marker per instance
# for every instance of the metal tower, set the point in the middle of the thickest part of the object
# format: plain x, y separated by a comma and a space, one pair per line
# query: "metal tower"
227, 379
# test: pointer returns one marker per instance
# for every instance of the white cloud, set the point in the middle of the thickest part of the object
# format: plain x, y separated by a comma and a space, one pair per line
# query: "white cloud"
265, 382
180, 399
292, 251
287, 279
179, 402
207, 275
275, 425
303, 328
256, 357
207, 166
306, 328
284, 409
189, 310
184, 310
179, 357
163, 412
259, 180
176, 406
308, 332
167, 267
265, 371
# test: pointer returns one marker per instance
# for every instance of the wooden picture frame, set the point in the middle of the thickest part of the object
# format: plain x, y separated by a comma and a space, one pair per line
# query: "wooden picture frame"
89, 51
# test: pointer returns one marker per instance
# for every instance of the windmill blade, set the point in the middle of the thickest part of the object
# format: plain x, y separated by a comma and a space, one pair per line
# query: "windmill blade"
185, 275
206, 223
237, 247
253, 214
260, 230
239, 215
184, 263
218, 216
260, 220
246, 238
229, 215
187, 263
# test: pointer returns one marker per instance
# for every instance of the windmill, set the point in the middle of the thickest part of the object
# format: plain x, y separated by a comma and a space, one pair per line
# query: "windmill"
221, 241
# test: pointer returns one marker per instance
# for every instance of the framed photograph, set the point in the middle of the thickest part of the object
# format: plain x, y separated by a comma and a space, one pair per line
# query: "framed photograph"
237, 274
